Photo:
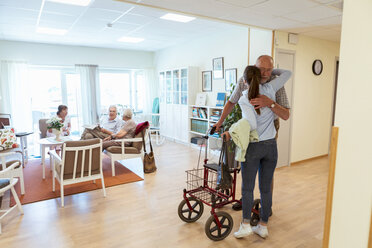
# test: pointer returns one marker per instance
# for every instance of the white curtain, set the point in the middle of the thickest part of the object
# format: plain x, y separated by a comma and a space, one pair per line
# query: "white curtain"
15, 94
89, 106
152, 89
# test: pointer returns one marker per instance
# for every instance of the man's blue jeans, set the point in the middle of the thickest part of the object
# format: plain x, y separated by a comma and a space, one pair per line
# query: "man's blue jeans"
262, 157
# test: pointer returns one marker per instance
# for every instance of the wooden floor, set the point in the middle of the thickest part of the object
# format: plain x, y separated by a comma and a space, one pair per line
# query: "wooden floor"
144, 214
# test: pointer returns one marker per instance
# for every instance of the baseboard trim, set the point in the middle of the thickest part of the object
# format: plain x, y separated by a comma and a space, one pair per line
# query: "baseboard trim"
309, 159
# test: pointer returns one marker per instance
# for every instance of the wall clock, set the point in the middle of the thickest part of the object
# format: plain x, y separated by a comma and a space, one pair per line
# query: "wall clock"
317, 67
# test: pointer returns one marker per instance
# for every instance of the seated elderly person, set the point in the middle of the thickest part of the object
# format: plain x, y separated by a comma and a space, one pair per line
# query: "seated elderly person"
127, 131
109, 125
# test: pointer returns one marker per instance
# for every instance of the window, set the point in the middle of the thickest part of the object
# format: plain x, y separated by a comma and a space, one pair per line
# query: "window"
124, 88
52, 87
140, 93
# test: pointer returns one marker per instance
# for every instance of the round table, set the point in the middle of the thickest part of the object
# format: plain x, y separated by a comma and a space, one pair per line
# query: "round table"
49, 142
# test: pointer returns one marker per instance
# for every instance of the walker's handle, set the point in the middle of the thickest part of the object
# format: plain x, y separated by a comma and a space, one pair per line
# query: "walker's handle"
212, 130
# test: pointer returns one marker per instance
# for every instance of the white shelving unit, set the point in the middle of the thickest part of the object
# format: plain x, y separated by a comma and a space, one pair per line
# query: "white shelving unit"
198, 125
209, 111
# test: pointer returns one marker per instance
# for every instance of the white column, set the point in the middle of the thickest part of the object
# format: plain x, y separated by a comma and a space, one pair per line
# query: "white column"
352, 199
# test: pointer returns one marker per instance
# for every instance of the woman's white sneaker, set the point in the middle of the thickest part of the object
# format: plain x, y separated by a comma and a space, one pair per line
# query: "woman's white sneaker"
261, 230
244, 231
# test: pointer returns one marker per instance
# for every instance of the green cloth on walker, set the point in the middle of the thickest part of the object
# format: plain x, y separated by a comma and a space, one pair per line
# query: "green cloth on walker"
238, 132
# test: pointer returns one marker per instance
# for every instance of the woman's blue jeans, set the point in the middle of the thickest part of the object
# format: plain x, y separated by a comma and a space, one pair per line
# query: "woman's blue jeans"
262, 157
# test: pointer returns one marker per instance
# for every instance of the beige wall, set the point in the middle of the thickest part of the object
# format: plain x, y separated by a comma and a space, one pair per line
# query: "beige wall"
312, 95
352, 198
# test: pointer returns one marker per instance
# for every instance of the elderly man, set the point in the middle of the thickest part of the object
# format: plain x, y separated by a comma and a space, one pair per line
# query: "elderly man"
280, 107
127, 131
109, 124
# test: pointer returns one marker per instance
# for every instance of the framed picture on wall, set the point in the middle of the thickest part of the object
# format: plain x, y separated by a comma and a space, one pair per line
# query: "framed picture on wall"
230, 78
207, 81
218, 68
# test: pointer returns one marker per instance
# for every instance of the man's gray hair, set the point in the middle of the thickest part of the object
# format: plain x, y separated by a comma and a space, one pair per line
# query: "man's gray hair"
113, 106
265, 56
128, 113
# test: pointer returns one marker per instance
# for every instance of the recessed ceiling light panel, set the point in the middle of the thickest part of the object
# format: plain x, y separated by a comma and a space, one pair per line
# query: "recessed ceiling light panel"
177, 18
73, 2
130, 39
52, 31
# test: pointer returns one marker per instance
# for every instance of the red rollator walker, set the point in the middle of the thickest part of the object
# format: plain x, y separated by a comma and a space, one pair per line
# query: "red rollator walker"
203, 187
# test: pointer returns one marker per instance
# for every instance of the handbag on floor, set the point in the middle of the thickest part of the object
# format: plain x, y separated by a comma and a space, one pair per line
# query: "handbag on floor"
148, 158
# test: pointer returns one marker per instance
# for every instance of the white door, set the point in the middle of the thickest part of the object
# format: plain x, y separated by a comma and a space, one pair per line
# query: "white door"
169, 127
285, 60
184, 123
175, 122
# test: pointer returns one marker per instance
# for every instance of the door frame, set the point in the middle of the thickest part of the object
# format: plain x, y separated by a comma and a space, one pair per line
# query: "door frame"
334, 100
292, 52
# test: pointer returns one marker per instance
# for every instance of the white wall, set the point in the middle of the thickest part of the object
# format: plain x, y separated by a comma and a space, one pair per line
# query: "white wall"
46, 54
312, 95
260, 43
352, 197
232, 44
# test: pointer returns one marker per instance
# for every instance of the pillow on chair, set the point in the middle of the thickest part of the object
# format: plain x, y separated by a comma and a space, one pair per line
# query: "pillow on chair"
141, 126
8, 139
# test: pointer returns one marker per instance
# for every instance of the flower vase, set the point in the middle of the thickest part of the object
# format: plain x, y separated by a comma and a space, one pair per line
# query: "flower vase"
57, 133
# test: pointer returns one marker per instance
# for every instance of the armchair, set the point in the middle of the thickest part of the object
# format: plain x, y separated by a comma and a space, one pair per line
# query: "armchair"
43, 128
126, 152
81, 161
9, 157
6, 184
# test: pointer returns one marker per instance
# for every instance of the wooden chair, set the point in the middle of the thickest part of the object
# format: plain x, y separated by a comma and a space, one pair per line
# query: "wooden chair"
81, 161
127, 152
9, 157
5, 120
8, 183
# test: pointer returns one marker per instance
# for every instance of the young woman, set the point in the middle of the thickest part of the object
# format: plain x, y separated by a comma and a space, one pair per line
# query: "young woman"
261, 156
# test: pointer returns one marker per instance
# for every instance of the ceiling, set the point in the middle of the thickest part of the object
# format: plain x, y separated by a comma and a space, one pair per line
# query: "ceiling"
90, 25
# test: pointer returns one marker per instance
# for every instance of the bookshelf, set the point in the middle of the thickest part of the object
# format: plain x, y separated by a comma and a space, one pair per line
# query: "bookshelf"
202, 118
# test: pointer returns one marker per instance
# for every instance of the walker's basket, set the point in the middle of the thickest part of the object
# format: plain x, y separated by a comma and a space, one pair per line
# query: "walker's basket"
202, 184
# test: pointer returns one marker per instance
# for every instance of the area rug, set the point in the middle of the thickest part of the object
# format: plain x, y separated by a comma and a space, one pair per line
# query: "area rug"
38, 189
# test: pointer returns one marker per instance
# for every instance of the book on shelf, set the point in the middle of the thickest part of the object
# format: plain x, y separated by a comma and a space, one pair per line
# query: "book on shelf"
195, 112
214, 117
221, 98
199, 126
202, 113
217, 112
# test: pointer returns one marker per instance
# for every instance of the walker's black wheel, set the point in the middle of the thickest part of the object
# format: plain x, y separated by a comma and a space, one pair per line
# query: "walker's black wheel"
255, 218
192, 215
213, 231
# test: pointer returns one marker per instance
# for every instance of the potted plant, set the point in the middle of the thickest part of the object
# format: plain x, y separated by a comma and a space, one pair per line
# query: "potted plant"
233, 117
55, 124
